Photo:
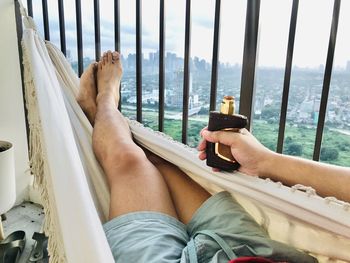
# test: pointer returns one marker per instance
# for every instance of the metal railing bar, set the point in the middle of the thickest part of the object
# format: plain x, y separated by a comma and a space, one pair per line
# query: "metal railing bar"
138, 61
215, 59
327, 80
246, 103
62, 27
161, 65
117, 25
30, 8
46, 20
97, 30
287, 75
79, 37
186, 80
117, 40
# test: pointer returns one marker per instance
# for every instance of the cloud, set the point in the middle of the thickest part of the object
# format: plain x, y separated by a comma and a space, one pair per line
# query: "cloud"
203, 22
310, 44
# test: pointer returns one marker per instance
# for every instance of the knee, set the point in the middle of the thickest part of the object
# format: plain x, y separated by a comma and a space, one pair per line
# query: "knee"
130, 158
127, 156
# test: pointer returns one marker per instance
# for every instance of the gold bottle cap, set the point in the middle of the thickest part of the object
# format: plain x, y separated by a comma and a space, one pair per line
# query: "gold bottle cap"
228, 105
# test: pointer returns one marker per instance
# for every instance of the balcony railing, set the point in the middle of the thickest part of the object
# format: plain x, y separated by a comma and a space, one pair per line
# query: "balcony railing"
248, 64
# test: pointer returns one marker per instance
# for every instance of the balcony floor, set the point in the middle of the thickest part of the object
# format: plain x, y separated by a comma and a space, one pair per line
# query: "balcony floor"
28, 217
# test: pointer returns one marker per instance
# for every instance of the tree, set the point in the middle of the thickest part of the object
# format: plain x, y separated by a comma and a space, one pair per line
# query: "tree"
295, 149
270, 112
329, 154
288, 140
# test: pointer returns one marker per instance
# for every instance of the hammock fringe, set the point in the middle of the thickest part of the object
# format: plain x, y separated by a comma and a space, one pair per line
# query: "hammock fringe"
38, 165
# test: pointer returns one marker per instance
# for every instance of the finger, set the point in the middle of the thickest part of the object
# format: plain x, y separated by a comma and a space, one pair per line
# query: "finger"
224, 137
202, 145
204, 129
202, 155
215, 169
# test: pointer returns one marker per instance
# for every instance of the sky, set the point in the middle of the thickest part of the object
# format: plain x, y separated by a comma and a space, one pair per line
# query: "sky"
311, 41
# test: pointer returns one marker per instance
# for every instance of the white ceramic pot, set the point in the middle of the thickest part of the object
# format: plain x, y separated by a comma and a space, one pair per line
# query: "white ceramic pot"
7, 177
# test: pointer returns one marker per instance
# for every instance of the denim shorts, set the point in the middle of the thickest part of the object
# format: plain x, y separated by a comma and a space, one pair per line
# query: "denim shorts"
219, 231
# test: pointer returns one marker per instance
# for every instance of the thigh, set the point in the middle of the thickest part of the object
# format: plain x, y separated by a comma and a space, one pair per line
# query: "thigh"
222, 213
146, 237
187, 195
138, 186
223, 230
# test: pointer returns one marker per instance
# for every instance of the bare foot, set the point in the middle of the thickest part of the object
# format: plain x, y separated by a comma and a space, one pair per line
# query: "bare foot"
109, 75
87, 92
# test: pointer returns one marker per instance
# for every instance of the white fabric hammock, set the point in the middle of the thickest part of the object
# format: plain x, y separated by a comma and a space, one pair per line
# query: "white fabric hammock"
75, 194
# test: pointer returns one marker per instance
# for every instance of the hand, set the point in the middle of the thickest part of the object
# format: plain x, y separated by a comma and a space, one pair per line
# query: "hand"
245, 148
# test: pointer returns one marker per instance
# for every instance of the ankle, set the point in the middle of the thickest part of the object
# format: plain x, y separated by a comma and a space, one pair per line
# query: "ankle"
105, 97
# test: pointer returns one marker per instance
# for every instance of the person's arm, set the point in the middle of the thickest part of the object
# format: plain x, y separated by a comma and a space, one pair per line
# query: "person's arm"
255, 159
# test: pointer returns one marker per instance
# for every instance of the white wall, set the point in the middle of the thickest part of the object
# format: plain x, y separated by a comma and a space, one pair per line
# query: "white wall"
12, 120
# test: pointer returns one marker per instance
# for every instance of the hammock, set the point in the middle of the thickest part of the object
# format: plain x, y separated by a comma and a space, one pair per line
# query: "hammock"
74, 190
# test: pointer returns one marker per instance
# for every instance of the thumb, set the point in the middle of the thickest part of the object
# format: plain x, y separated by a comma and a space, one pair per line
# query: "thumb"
224, 137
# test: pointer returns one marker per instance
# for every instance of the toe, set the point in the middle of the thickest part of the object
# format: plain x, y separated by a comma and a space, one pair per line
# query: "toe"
104, 60
99, 65
95, 66
109, 57
115, 55
92, 66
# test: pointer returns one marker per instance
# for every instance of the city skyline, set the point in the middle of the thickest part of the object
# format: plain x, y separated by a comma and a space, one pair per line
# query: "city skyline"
304, 95
150, 56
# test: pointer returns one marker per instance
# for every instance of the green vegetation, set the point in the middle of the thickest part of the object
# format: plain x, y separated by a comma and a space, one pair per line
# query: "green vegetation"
299, 139
329, 154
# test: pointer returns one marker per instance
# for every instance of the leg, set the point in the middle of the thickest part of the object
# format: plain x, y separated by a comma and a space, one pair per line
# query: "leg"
135, 184
186, 194
87, 92
86, 96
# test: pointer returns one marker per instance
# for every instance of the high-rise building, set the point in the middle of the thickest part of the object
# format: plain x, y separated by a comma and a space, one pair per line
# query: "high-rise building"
348, 66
